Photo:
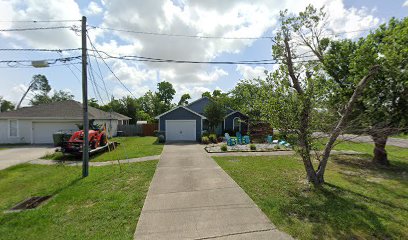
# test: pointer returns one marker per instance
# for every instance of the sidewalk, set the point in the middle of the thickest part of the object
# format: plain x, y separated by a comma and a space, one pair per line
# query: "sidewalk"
191, 197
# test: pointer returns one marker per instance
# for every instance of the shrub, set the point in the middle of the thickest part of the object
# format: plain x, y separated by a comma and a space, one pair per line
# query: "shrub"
213, 138
205, 133
161, 139
205, 140
220, 139
252, 147
224, 148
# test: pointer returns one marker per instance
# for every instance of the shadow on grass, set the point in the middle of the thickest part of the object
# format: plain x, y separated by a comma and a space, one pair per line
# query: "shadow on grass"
363, 162
335, 214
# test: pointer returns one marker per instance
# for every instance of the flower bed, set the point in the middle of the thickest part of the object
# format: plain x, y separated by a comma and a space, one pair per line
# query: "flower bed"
259, 147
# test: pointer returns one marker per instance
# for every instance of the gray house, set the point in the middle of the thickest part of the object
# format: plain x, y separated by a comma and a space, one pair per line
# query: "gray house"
36, 124
187, 123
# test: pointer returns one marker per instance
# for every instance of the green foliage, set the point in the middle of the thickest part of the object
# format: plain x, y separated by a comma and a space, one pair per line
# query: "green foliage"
215, 113
58, 96
165, 92
184, 99
40, 83
213, 137
6, 105
224, 148
93, 103
252, 147
205, 140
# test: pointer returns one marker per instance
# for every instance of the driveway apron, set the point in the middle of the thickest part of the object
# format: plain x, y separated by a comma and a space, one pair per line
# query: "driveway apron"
191, 197
17, 155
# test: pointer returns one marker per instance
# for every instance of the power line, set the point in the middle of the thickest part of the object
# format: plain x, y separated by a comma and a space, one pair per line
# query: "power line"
34, 28
109, 67
40, 21
53, 60
39, 49
29, 66
177, 35
202, 36
161, 60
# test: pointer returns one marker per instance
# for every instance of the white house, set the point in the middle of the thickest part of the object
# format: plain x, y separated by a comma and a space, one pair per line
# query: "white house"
36, 124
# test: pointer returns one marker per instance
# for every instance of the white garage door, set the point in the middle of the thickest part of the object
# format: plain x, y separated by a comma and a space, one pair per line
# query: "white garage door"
42, 131
181, 130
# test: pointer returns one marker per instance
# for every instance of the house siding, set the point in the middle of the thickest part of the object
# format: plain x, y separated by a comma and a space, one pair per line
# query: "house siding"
181, 114
24, 132
229, 122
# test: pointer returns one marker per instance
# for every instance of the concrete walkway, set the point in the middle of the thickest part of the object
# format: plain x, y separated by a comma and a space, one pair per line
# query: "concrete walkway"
94, 164
275, 153
21, 154
191, 197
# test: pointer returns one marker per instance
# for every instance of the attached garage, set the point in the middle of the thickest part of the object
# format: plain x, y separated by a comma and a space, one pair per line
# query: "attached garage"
43, 131
181, 124
181, 130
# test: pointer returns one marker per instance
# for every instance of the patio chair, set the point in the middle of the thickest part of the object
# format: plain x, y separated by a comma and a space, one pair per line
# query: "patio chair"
284, 143
269, 139
239, 137
230, 141
246, 140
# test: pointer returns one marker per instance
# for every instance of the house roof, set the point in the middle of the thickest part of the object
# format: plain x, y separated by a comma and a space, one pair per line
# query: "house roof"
198, 109
157, 117
69, 109
121, 116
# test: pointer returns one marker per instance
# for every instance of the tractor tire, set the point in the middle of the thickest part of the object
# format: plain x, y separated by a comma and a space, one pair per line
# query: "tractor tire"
92, 144
103, 141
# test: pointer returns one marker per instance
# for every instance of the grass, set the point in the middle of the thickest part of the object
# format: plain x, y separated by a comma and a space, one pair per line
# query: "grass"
130, 147
401, 135
105, 205
1, 148
360, 200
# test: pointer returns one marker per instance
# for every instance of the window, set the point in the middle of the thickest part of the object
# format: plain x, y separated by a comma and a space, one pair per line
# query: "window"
237, 124
13, 128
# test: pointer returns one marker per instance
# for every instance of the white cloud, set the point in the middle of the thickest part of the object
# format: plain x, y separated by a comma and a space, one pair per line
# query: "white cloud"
228, 18
40, 10
93, 9
248, 72
405, 4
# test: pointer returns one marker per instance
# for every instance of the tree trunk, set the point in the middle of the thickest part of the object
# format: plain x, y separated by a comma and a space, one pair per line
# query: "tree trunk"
380, 154
342, 122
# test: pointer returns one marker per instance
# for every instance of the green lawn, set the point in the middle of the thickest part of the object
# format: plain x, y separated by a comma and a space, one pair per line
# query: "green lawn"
1, 148
401, 135
130, 147
359, 201
105, 205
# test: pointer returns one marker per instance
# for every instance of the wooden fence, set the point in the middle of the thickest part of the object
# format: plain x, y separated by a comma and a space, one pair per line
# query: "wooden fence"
137, 130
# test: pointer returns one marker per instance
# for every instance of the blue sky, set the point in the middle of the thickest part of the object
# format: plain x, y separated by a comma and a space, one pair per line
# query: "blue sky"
206, 18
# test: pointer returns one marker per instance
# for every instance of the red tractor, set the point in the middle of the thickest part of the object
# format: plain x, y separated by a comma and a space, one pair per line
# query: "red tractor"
96, 138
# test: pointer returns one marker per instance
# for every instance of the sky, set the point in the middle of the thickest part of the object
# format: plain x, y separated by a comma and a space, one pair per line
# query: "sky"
226, 18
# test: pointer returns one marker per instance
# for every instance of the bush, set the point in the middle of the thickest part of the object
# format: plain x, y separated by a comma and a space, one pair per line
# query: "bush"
205, 140
213, 138
205, 133
220, 139
161, 139
224, 148
252, 147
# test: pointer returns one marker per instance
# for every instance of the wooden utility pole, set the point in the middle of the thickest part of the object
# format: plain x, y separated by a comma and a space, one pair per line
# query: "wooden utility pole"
85, 146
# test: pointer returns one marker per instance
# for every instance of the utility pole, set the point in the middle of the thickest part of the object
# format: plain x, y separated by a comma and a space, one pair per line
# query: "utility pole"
85, 146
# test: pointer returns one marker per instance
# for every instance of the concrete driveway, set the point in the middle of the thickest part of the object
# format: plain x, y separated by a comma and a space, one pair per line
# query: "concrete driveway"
191, 197
16, 155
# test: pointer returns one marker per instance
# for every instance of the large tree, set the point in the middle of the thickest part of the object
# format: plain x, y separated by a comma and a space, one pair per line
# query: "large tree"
39, 84
5, 105
165, 92
383, 109
299, 44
